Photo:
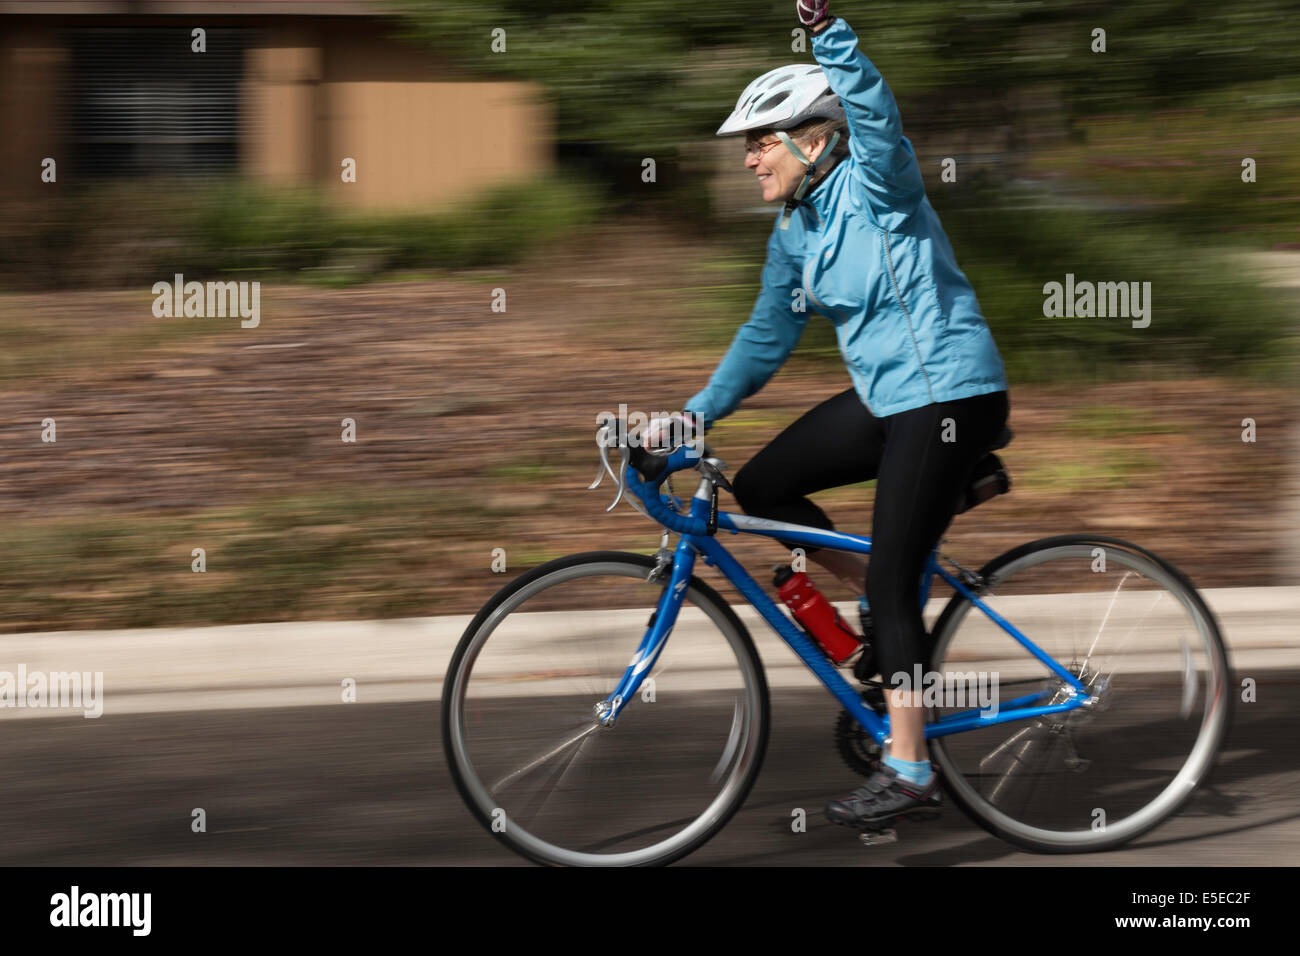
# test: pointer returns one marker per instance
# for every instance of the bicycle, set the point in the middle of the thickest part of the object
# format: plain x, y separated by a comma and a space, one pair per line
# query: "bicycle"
587, 763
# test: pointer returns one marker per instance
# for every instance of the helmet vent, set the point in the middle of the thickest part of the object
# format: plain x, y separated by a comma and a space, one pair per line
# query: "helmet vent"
774, 101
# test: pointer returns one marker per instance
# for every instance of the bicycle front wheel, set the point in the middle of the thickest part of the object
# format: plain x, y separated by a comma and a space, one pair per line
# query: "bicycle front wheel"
1139, 637
532, 759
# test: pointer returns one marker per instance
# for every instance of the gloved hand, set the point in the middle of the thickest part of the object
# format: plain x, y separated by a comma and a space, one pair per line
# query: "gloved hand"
665, 434
812, 12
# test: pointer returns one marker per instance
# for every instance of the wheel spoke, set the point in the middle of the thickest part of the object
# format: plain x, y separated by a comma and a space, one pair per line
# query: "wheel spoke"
1114, 595
1015, 753
532, 765
556, 777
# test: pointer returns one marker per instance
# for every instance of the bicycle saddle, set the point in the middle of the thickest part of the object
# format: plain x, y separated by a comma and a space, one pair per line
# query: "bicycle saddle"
989, 477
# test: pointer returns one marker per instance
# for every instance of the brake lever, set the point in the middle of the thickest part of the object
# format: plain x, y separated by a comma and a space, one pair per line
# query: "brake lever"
603, 468
620, 479
606, 468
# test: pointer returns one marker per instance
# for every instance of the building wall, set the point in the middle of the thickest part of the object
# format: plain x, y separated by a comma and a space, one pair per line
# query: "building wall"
420, 136
314, 91
32, 68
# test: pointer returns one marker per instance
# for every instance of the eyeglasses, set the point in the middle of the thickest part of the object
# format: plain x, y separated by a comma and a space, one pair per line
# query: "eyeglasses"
760, 149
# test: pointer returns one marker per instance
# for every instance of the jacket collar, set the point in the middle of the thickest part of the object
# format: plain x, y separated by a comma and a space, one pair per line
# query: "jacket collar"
821, 198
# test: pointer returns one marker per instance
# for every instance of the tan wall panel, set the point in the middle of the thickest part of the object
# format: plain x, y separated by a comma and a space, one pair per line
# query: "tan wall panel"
427, 144
278, 106
279, 132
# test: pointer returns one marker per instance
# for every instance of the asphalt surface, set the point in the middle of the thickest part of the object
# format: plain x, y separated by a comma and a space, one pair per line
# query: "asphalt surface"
366, 784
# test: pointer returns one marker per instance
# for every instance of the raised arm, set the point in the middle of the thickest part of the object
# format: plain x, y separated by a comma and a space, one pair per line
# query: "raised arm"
884, 162
761, 345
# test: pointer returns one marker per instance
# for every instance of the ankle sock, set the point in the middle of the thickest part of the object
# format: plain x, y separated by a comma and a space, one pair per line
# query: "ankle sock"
917, 772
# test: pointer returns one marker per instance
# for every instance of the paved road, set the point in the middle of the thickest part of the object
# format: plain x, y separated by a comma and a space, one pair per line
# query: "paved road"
367, 784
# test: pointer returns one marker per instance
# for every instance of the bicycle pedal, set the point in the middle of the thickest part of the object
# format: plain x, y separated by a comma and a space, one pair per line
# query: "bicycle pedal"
878, 837
917, 814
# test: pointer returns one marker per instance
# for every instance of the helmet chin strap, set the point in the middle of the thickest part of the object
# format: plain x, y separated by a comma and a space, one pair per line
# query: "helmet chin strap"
811, 168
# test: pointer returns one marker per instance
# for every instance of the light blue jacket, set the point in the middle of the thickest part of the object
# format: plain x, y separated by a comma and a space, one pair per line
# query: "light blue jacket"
868, 252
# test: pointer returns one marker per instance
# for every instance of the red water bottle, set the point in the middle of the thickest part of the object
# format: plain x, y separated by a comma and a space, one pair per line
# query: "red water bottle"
815, 613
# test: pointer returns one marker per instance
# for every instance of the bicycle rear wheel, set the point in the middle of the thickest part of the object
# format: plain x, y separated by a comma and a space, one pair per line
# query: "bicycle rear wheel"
1140, 638
531, 758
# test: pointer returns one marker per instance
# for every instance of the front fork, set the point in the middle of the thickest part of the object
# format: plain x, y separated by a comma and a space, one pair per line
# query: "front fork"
660, 625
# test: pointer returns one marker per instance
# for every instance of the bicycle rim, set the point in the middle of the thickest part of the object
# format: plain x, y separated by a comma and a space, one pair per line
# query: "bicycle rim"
529, 754
1137, 634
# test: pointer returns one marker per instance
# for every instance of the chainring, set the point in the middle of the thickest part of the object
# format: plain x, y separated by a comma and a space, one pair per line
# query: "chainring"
857, 748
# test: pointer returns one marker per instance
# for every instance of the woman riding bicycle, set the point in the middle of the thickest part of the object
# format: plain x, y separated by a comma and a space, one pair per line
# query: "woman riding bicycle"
858, 237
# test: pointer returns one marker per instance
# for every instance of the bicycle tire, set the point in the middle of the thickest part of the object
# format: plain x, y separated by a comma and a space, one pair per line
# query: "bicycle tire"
1215, 718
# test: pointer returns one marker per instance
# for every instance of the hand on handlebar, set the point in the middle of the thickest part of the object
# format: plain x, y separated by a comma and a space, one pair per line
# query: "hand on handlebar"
644, 471
665, 434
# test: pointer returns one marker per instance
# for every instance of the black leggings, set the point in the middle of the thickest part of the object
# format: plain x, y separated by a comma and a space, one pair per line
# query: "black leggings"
921, 460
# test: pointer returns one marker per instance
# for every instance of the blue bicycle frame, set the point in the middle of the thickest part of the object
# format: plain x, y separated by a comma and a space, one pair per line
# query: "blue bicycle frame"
695, 540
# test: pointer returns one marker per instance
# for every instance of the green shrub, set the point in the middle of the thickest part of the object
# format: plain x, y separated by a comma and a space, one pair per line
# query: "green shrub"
1205, 315
134, 233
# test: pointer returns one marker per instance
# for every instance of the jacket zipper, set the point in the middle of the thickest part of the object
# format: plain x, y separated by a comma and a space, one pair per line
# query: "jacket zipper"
889, 259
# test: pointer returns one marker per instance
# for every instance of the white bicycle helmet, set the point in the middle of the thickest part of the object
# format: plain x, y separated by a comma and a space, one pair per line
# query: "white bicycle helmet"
783, 98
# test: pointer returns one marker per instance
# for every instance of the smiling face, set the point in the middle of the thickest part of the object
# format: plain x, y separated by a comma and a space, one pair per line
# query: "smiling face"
775, 166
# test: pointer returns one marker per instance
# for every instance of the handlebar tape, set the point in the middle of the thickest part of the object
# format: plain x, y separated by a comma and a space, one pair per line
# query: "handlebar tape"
655, 468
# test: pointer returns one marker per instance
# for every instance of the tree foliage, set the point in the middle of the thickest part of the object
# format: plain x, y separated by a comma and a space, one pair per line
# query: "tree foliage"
647, 77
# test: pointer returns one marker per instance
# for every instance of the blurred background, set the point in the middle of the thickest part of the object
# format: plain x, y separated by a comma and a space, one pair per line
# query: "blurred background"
505, 146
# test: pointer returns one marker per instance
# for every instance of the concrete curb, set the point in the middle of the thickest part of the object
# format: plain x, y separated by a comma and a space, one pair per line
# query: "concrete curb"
306, 664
